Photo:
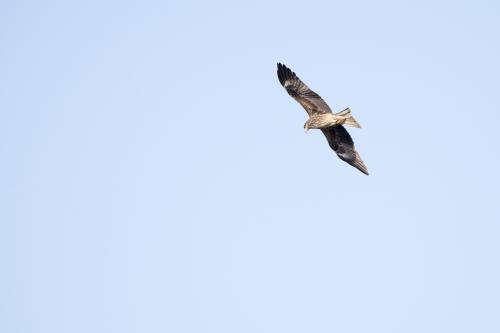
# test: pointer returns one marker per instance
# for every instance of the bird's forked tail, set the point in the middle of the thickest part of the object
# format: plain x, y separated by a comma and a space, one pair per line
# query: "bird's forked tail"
349, 119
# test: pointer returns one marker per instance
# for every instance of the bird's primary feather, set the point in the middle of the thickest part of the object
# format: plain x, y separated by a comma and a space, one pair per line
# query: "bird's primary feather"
309, 100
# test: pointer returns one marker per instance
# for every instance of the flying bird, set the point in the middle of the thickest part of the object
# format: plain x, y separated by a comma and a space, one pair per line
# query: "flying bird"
321, 117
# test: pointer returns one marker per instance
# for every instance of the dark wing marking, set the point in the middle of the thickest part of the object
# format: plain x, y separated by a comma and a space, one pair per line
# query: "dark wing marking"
309, 100
341, 142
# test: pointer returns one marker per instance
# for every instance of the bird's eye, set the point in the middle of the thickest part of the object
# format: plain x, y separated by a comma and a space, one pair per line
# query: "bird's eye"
335, 146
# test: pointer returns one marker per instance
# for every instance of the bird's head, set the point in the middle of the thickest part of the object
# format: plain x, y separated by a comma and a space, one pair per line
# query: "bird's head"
306, 126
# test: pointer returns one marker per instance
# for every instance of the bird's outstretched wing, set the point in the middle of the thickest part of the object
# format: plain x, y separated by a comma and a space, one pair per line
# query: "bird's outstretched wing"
311, 101
341, 142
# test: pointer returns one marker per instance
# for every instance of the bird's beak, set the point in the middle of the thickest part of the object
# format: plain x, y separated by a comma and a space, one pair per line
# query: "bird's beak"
306, 129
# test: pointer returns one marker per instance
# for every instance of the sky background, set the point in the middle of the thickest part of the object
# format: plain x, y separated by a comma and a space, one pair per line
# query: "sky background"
155, 177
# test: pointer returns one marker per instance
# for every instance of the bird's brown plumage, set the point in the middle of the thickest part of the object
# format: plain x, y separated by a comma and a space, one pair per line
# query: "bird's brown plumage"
341, 142
337, 136
312, 102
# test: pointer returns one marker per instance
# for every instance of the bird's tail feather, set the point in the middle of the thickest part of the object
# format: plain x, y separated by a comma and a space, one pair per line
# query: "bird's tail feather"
349, 121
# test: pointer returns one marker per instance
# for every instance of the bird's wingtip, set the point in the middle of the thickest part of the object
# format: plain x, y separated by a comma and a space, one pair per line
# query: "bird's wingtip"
358, 164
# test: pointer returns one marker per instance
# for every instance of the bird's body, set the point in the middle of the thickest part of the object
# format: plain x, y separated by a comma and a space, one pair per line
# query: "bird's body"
329, 119
322, 117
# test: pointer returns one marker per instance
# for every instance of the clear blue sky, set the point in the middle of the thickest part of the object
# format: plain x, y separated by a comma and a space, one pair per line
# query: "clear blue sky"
155, 177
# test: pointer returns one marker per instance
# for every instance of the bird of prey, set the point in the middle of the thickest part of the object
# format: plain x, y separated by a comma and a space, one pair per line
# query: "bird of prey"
321, 117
